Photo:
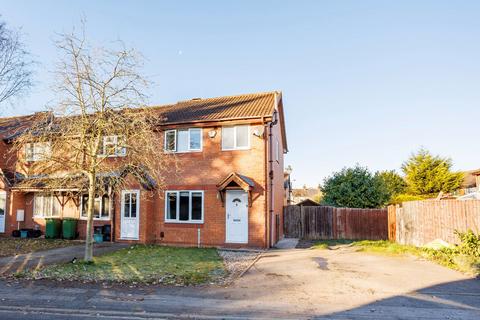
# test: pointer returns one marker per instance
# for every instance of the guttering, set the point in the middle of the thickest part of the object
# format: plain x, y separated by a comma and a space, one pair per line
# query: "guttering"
27, 189
261, 118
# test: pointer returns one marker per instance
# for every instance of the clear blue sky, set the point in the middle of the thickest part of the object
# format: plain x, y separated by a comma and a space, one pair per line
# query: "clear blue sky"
364, 82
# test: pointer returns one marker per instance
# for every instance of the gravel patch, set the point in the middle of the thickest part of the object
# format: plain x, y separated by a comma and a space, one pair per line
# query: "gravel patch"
236, 263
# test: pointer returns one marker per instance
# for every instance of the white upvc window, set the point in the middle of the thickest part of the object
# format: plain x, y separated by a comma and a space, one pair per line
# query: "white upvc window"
101, 207
114, 146
236, 137
46, 205
184, 206
183, 140
38, 151
277, 150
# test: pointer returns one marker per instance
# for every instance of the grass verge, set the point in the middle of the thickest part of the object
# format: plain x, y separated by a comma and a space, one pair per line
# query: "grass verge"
12, 246
449, 257
146, 264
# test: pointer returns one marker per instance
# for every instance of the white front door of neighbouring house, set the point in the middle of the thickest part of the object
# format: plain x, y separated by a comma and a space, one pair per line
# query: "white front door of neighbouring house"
237, 216
130, 214
3, 210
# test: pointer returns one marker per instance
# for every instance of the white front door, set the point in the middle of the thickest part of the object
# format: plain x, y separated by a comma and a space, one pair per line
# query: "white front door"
237, 217
3, 210
130, 214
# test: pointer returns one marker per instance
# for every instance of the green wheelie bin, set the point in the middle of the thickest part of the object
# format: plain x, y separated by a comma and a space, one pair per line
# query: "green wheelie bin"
52, 228
69, 228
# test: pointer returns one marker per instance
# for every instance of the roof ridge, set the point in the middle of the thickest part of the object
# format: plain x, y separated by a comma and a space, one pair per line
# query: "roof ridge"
30, 115
16, 117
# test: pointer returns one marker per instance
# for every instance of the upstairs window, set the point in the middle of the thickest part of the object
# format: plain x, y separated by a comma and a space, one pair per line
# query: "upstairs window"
236, 137
183, 140
113, 146
101, 207
37, 151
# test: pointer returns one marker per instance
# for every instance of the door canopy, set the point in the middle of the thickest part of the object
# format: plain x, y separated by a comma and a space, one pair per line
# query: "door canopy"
235, 181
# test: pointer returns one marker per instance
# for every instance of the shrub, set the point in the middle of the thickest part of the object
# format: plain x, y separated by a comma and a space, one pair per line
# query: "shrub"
355, 187
394, 183
470, 243
426, 174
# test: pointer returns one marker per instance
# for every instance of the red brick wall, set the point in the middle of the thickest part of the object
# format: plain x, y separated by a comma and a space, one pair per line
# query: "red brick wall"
203, 171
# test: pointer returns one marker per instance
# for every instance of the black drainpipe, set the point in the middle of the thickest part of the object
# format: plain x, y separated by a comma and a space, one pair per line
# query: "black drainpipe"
270, 171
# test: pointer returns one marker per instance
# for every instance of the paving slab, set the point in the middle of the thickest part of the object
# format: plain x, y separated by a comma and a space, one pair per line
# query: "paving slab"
287, 243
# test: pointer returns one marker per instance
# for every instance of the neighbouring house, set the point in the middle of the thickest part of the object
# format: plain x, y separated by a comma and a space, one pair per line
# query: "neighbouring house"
470, 188
307, 203
229, 190
299, 195
471, 182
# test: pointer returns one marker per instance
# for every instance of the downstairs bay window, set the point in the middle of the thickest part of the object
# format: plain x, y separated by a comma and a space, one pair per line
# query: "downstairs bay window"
184, 206
101, 207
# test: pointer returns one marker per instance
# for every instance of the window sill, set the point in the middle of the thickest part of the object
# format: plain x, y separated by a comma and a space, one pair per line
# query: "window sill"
237, 149
95, 219
112, 156
181, 152
43, 217
183, 222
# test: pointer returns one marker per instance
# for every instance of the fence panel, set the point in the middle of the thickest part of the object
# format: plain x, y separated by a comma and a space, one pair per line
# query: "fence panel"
420, 222
324, 222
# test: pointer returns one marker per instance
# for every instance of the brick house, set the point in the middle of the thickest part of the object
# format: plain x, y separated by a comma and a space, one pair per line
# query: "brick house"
228, 192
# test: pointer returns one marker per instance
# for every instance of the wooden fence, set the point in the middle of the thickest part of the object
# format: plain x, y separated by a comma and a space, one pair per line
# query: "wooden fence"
322, 222
420, 222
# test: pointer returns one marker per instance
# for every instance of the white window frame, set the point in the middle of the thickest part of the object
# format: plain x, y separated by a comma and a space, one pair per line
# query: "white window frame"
235, 138
44, 195
277, 150
177, 216
120, 151
36, 154
100, 210
175, 150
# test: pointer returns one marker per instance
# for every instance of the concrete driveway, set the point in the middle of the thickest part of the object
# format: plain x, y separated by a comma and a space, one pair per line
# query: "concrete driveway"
291, 283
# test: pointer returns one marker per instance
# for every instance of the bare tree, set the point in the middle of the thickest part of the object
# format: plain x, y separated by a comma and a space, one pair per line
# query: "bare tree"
100, 132
15, 64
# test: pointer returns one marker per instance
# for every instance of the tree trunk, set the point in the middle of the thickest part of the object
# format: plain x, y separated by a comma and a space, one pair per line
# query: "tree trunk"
90, 207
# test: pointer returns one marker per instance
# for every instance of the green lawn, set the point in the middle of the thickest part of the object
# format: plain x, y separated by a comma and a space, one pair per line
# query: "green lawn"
14, 246
143, 264
449, 257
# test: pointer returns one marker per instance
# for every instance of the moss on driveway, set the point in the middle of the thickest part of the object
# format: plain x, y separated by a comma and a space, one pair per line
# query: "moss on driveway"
13, 246
146, 264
